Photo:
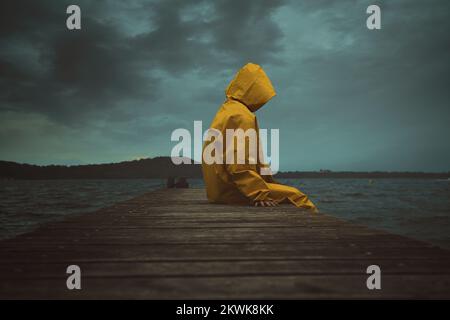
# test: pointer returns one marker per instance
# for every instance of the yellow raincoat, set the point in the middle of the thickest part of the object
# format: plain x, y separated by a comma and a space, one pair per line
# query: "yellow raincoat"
242, 183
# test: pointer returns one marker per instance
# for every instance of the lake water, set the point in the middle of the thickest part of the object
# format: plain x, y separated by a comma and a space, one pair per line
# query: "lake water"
416, 208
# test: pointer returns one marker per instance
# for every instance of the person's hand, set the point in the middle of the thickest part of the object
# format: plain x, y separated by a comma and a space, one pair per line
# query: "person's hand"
266, 203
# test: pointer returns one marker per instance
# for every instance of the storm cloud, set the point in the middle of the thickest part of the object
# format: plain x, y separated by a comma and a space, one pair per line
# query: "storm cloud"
348, 98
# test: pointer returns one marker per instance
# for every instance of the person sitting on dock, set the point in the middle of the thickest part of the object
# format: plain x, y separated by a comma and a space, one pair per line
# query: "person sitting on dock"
236, 183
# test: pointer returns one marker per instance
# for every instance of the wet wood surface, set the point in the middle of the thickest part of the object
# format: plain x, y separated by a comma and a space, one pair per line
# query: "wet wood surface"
173, 244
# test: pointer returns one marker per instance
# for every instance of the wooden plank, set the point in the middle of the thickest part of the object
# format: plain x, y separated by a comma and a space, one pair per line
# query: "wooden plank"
217, 268
211, 252
254, 287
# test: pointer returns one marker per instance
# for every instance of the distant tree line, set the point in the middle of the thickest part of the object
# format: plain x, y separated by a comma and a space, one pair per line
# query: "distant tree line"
363, 174
162, 167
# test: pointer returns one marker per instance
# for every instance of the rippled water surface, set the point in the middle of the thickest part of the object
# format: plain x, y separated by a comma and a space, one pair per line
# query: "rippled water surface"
25, 204
412, 207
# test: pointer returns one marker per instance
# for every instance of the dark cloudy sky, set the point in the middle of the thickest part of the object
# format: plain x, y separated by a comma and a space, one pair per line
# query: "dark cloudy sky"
348, 98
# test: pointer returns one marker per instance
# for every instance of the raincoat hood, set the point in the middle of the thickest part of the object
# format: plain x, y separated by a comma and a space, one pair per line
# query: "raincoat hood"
251, 86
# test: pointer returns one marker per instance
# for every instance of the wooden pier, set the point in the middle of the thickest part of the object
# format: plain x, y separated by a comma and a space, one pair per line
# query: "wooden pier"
173, 244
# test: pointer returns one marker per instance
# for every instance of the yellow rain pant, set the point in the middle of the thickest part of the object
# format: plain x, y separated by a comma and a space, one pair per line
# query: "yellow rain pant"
234, 183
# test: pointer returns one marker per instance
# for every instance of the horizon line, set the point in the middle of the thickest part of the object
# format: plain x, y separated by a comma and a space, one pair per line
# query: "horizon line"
321, 170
